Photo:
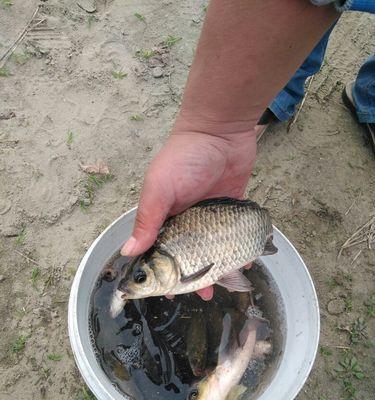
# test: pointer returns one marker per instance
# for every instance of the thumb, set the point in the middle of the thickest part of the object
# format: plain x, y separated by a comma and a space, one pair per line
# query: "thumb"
153, 209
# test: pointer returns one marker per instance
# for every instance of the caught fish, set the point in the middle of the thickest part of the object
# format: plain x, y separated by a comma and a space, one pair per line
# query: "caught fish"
206, 244
233, 361
196, 346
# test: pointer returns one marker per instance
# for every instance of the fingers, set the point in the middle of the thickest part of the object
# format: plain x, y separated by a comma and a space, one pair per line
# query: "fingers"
206, 293
248, 266
153, 209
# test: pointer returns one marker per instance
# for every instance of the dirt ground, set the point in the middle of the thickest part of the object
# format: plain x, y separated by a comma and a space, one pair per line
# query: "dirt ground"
80, 88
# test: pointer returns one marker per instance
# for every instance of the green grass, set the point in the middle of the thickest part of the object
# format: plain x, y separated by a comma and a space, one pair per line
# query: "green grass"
21, 312
4, 72
6, 3
349, 367
19, 344
54, 357
332, 283
94, 182
357, 331
140, 17
350, 390
35, 274
370, 310
325, 351
144, 54
172, 40
348, 303
21, 237
90, 20
136, 117
46, 372
119, 74
20, 58
70, 137
85, 394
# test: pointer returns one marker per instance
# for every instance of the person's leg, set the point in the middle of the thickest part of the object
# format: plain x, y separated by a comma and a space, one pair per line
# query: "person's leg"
284, 104
364, 92
359, 97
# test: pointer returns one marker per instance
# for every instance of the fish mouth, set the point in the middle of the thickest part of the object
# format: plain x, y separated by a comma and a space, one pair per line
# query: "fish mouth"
125, 290
117, 304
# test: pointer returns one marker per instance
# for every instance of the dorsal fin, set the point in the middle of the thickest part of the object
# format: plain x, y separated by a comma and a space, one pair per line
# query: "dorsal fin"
227, 201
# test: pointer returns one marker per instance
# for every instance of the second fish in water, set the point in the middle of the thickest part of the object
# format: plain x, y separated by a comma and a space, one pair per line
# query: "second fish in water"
206, 244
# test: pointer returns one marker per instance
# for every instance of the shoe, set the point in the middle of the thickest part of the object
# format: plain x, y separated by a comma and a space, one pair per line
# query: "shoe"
347, 98
264, 121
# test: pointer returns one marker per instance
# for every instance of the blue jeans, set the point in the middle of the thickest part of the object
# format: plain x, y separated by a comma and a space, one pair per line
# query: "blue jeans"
284, 104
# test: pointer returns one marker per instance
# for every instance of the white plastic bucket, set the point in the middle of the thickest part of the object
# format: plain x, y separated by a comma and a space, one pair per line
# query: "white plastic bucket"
302, 323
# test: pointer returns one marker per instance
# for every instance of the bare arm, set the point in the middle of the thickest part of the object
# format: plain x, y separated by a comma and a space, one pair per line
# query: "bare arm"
247, 51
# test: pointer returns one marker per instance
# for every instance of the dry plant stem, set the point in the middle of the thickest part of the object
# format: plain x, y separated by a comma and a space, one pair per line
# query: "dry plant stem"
26, 257
8, 53
360, 236
294, 120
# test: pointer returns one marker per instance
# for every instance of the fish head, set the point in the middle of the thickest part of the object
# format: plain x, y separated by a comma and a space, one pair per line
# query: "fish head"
203, 390
152, 274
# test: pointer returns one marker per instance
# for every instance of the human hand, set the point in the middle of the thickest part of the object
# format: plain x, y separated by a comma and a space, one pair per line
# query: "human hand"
192, 166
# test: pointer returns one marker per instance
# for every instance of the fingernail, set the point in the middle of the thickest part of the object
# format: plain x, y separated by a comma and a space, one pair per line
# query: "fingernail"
129, 246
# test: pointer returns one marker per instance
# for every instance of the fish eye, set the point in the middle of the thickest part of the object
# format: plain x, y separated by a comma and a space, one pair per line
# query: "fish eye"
140, 276
193, 395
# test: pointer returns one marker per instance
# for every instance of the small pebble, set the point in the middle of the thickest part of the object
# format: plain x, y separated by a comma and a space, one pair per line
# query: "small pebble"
54, 314
2, 278
157, 72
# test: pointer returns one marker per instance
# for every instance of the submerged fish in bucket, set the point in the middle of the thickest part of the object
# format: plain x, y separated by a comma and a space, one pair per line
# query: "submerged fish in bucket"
234, 358
206, 244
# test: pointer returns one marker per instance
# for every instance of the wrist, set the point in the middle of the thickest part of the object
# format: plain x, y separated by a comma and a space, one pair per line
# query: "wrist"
195, 123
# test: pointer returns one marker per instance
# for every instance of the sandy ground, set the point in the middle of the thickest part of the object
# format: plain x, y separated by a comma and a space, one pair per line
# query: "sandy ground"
72, 105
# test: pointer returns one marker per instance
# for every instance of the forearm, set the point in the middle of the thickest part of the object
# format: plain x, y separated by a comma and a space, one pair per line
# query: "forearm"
247, 52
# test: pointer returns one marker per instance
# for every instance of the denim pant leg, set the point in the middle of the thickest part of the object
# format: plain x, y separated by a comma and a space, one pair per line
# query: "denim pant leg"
364, 92
284, 104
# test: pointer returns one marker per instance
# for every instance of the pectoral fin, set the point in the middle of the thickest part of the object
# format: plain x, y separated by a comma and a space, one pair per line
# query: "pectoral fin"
235, 281
269, 248
197, 275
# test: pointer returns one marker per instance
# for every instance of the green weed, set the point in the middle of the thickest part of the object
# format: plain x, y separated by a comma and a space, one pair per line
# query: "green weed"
348, 303
19, 344
20, 58
144, 54
6, 3
172, 40
21, 312
21, 237
4, 72
136, 117
85, 394
119, 74
357, 331
54, 357
90, 20
46, 372
349, 367
332, 283
325, 351
350, 390
140, 17
35, 274
70, 137
94, 181
370, 310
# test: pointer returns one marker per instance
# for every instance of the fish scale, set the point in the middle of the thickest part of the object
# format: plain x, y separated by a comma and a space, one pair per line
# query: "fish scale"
228, 233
